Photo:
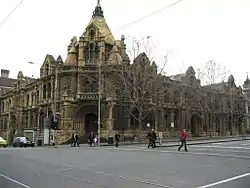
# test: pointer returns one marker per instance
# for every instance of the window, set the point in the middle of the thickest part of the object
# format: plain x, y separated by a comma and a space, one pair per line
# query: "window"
92, 34
27, 100
49, 91
44, 91
46, 70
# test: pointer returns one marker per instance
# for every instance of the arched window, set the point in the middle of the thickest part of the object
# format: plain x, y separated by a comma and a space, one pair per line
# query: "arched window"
46, 70
49, 91
27, 100
44, 91
37, 96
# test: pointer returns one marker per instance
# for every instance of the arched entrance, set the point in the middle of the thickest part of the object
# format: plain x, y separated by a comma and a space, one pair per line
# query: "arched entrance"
195, 123
90, 122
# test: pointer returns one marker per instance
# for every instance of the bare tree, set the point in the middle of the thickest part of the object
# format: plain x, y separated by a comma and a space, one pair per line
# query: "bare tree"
211, 75
140, 81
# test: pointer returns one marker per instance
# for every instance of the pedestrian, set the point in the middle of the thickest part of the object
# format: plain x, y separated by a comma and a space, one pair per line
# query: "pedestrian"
76, 140
72, 139
154, 138
183, 139
151, 139
91, 139
95, 140
117, 139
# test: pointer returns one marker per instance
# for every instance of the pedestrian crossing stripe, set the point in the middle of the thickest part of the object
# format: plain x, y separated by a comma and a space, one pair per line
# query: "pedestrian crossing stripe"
226, 147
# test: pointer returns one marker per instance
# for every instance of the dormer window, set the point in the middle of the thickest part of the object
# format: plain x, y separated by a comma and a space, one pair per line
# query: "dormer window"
46, 70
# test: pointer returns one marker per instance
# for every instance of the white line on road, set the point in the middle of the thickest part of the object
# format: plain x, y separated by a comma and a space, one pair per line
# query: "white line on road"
226, 147
220, 150
176, 152
135, 179
15, 181
224, 181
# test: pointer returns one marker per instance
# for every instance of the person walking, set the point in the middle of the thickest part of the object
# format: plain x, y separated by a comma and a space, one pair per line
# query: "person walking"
117, 139
72, 139
183, 139
76, 140
91, 139
151, 139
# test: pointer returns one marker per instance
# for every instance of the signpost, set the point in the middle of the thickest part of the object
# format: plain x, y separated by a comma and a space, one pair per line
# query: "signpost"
172, 124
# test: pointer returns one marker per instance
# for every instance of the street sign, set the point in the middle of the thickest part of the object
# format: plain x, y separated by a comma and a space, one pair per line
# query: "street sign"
47, 123
172, 124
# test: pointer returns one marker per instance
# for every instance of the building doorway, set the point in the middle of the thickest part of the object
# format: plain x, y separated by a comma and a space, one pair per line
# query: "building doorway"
91, 123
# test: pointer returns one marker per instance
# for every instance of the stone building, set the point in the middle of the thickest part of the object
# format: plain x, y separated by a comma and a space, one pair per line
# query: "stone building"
71, 87
246, 91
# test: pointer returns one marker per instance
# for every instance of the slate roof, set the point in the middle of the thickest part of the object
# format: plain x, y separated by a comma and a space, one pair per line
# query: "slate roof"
7, 82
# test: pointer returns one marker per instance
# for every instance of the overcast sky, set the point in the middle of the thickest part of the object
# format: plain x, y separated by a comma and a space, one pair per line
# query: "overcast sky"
191, 32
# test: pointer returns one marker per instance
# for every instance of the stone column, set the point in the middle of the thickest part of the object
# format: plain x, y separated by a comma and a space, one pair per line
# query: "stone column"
183, 118
161, 118
81, 52
29, 119
156, 119
67, 119
110, 119
73, 84
188, 120
102, 48
38, 118
52, 91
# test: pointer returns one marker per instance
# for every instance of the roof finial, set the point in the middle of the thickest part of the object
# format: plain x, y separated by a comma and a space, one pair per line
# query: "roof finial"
98, 10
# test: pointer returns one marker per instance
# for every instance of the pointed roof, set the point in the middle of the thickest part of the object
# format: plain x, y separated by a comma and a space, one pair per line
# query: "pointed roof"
231, 79
190, 71
247, 81
99, 22
59, 59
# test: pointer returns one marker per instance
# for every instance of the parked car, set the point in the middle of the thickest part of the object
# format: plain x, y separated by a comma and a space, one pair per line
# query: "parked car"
22, 142
3, 143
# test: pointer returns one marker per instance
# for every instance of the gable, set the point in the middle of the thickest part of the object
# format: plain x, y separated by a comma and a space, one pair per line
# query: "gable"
99, 24
49, 59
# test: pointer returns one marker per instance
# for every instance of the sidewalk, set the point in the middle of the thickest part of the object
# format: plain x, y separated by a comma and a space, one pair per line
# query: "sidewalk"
173, 142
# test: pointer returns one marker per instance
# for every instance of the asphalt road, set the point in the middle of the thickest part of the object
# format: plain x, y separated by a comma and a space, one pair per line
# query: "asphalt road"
221, 165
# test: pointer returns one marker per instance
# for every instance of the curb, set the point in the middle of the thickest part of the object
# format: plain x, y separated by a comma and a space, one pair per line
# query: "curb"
200, 143
175, 145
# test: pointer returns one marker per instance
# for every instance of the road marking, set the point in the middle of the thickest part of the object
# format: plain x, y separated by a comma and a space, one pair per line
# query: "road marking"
245, 144
70, 168
226, 147
137, 179
177, 152
220, 150
15, 181
224, 181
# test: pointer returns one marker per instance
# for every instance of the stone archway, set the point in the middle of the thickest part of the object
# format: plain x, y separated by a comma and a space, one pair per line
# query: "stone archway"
90, 121
85, 116
195, 123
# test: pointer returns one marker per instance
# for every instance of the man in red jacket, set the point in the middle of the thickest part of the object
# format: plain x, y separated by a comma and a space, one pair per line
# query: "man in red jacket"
183, 139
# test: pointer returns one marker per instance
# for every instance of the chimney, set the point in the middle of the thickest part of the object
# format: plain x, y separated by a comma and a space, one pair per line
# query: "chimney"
5, 73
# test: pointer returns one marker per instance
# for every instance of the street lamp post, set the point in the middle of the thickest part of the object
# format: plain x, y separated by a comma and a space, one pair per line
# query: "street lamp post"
99, 103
